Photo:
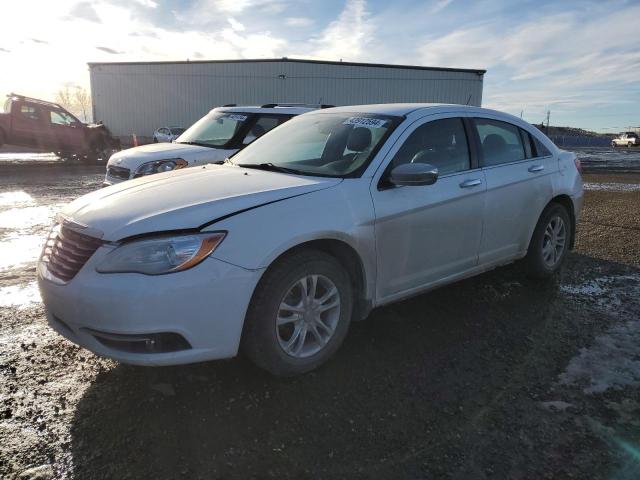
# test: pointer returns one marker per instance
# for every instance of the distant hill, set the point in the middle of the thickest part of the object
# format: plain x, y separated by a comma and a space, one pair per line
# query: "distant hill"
572, 132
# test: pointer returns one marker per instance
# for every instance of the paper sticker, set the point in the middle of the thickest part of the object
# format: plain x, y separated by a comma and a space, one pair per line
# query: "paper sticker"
236, 117
365, 122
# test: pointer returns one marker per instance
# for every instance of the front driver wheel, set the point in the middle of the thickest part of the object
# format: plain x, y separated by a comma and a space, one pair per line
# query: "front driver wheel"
550, 242
299, 314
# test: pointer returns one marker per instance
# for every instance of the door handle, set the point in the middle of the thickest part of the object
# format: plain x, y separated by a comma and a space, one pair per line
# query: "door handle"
536, 168
470, 183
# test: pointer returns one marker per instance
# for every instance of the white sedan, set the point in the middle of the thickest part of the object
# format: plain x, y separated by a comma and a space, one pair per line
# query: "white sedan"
311, 226
167, 134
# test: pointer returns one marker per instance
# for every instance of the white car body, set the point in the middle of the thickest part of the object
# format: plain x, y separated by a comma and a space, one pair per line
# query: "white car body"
167, 134
405, 240
626, 139
125, 164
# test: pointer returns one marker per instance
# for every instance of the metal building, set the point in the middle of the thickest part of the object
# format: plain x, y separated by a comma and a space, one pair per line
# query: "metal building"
138, 97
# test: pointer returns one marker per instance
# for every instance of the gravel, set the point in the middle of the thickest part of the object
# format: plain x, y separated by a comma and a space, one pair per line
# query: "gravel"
493, 377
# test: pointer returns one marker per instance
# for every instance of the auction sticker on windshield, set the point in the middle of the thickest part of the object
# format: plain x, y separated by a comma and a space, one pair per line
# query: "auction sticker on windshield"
237, 118
365, 122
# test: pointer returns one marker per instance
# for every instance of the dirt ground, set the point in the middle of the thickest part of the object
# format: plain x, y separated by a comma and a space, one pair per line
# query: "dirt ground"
494, 377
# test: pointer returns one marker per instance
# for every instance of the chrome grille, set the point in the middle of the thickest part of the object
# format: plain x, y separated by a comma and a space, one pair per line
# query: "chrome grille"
119, 172
66, 251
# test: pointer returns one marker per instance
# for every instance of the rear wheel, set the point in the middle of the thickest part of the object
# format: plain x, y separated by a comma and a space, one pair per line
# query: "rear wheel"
299, 314
3, 138
550, 242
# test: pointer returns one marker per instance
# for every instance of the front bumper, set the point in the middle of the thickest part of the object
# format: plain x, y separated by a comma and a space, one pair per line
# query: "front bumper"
204, 305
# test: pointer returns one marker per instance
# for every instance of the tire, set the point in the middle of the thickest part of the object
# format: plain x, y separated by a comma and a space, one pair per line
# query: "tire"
542, 260
155, 139
265, 343
3, 137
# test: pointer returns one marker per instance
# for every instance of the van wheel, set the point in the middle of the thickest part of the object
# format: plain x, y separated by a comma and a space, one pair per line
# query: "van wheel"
3, 138
299, 314
549, 243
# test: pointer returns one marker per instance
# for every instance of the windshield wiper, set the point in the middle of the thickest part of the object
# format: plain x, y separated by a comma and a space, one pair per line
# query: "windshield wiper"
270, 167
200, 144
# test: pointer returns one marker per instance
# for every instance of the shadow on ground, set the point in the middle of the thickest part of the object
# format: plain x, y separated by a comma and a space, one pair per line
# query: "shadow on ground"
446, 384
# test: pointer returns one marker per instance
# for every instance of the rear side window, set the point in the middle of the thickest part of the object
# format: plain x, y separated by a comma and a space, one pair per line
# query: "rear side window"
441, 143
500, 142
29, 112
541, 150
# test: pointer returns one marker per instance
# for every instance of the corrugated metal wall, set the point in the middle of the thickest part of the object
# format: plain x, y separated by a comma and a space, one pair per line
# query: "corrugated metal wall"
139, 97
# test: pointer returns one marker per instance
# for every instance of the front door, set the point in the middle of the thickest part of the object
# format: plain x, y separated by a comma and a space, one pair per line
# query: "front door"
65, 132
427, 234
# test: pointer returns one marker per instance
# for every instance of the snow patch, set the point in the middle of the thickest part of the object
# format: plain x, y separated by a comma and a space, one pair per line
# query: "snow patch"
21, 296
612, 187
613, 361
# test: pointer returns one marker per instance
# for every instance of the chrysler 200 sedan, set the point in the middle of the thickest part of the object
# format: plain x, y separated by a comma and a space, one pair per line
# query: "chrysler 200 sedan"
311, 226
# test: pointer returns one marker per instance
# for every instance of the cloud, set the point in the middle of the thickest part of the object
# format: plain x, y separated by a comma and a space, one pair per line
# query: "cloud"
440, 5
147, 3
235, 25
37, 40
85, 11
298, 21
4, 50
109, 50
346, 37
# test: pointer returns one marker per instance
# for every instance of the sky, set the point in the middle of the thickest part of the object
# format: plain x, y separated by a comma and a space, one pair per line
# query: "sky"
580, 60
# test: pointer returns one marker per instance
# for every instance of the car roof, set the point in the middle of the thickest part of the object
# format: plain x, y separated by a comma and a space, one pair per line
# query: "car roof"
402, 109
284, 110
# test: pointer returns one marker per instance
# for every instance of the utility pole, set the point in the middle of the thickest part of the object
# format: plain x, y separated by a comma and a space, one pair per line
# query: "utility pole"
548, 116
521, 112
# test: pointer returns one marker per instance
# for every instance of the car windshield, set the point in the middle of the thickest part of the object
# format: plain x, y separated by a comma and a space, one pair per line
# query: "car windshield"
214, 130
323, 144
177, 130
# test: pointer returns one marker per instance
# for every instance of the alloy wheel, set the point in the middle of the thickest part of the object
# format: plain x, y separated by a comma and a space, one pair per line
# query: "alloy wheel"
308, 316
554, 241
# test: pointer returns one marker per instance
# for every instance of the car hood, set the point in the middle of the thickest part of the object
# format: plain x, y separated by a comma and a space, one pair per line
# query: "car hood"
132, 158
182, 199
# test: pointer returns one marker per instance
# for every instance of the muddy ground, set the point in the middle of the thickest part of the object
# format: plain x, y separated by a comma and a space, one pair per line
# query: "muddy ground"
494, 377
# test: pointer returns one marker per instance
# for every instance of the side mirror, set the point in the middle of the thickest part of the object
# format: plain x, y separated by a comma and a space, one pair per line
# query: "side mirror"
414, 174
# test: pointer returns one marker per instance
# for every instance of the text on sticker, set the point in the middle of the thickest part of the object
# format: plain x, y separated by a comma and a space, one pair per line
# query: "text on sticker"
365, 122
237, 118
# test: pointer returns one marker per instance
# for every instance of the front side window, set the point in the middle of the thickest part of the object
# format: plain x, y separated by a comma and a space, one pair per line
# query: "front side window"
60, 118
441, 143
214, 130
30, 112
262, 125
323, 144
500, 142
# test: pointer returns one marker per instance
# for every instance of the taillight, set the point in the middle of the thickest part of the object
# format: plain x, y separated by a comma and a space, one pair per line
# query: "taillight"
578, 165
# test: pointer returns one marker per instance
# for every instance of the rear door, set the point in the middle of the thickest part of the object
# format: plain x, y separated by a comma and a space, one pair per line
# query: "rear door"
27, 124
519, 185
427, 234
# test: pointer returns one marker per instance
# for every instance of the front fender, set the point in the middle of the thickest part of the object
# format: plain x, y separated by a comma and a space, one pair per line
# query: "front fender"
344, 212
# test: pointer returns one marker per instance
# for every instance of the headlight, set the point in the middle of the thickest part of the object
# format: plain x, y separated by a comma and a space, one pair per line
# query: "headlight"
159, 166
159, 255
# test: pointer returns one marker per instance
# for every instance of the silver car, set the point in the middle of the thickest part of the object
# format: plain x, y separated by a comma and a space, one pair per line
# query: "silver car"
327, 216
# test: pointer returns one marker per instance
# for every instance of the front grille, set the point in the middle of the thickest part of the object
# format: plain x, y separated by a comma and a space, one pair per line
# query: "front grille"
119, 172
66, 251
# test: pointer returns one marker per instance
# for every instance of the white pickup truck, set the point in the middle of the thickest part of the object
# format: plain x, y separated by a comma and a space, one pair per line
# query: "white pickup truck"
626, 139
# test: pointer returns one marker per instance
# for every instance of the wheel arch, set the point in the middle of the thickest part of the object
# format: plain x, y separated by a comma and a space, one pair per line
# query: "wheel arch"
349, 258
566, 201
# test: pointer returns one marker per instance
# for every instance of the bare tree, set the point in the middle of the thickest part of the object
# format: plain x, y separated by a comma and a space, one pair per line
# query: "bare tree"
83, 101
76, 99
64, 97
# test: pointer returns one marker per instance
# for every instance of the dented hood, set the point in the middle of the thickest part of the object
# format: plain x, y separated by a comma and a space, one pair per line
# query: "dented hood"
183, 199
